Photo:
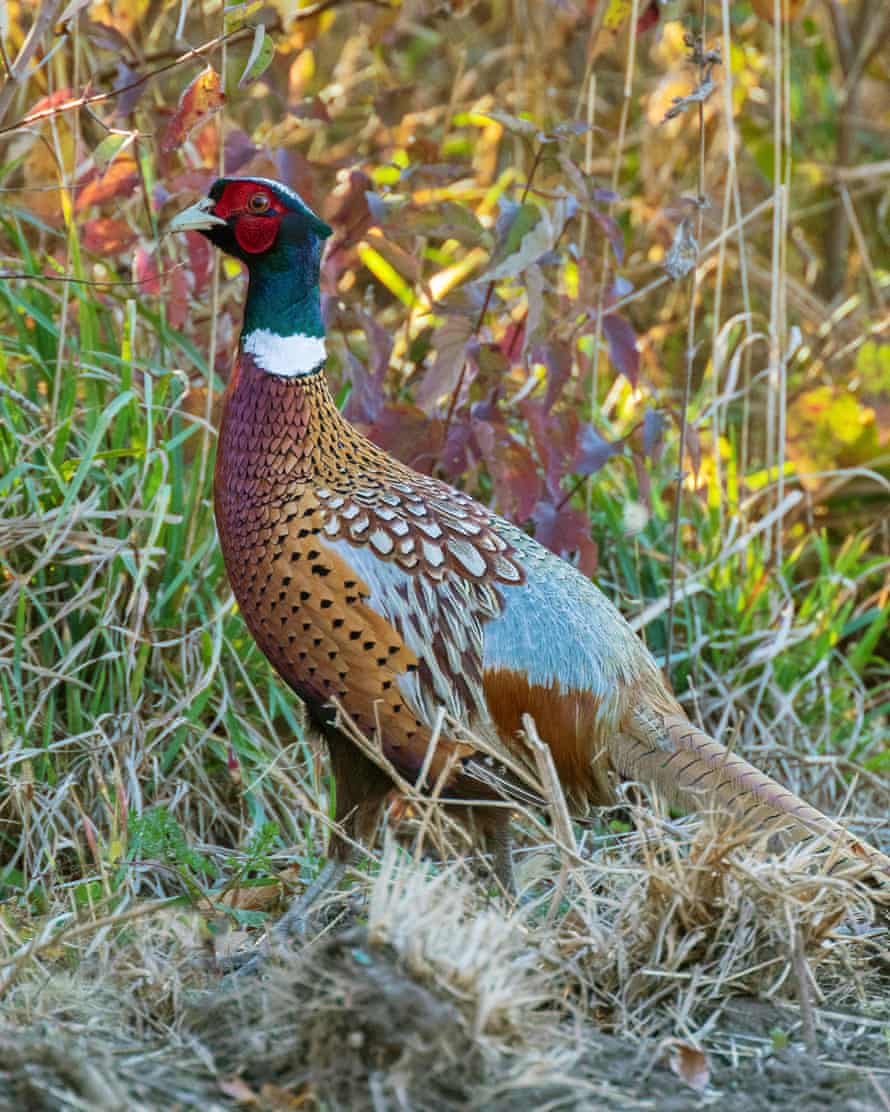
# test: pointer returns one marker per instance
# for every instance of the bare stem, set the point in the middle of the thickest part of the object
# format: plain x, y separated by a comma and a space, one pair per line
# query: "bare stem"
690, 354
489, 291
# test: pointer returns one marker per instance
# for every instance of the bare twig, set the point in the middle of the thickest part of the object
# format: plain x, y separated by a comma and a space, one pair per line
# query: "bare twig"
46, 17
559, 812
480, 320
86, 97
705, 64
804, 992
856, 46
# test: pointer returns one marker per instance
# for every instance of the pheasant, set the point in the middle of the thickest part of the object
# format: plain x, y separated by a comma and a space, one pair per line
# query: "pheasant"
392, 595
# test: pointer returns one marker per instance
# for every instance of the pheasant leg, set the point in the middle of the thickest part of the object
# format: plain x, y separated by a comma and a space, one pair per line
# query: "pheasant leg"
293, 922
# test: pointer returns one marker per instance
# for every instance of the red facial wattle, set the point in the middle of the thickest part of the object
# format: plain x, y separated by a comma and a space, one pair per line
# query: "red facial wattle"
255, 232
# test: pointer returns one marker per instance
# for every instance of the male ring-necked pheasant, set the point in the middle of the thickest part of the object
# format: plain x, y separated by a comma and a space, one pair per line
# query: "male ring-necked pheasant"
397, 595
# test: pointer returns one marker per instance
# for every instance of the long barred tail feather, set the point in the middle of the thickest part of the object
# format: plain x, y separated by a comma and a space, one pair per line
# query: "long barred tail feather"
692, 769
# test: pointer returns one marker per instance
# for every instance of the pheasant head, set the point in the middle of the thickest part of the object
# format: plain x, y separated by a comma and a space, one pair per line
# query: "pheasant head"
280, 239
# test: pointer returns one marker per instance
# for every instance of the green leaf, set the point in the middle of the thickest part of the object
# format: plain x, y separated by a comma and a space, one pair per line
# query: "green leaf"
262, 51
527, 128
110, 147
524, 233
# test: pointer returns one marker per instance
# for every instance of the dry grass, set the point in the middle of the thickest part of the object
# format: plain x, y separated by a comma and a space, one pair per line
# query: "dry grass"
423, 992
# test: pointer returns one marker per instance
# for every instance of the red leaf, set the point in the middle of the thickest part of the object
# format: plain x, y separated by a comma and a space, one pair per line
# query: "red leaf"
200, 260
691, 1065
588, 557
408, 433
512, 341
145, 271
120, 179
60, 96
622, 341
649, 17
178, 303
107, 236
201, 99
511, 465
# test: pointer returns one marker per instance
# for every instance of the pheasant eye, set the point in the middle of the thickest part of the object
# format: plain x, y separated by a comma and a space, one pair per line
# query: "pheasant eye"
259, 202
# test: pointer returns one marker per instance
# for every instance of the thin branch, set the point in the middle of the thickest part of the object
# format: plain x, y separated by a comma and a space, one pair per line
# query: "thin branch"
95, 98
87, 97
8, 275
45, 19
700, 55
480, 320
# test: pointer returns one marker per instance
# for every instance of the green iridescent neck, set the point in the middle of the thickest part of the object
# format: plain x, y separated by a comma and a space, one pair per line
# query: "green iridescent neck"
283, 295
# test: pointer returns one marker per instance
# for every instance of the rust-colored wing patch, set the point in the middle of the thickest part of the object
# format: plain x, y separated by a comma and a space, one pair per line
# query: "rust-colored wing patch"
567, 720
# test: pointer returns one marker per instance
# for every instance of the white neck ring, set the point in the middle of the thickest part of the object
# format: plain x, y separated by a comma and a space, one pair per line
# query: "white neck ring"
284, 356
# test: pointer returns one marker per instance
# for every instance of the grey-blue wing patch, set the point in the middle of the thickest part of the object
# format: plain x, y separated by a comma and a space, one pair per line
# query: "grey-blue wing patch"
558, 627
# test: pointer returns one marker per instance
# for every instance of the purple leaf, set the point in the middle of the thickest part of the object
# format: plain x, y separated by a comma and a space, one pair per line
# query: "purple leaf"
654, 425
456, 453
565, 531
126, 101
556, 355
379, 343
449, 343
592, 451
365, 402
555, 436
612, 233
238, 150
622, 341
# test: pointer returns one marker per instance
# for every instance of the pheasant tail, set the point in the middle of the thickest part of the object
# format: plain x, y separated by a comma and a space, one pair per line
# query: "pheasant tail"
693, 770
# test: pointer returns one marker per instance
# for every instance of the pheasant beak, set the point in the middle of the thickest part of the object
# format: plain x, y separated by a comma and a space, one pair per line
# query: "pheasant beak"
198, 218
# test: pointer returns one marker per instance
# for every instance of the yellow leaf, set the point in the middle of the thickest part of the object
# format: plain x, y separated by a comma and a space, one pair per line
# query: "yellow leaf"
616, 13
301, 72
